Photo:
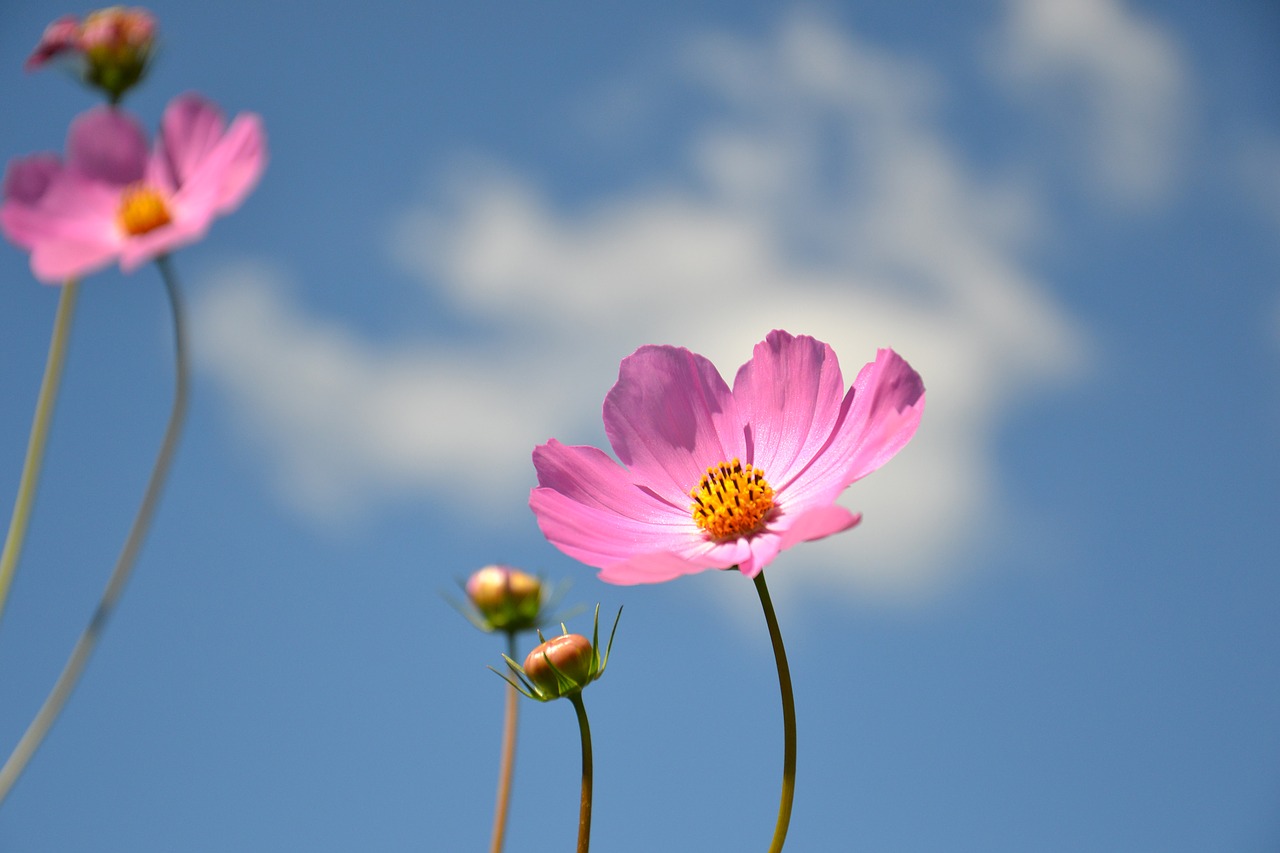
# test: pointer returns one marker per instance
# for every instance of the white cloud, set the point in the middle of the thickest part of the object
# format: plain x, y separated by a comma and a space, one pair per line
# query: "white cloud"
822, 200
346, 421
1115, 80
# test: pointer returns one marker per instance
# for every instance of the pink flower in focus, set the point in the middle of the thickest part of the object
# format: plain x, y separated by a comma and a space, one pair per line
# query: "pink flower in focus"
713, 478
112, 198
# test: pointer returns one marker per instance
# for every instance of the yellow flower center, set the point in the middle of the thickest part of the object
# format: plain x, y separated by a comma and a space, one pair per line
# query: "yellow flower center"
731, 501
142, 209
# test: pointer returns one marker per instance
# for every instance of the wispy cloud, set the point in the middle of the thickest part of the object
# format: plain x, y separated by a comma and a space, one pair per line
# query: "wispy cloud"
820, 197
1115, 82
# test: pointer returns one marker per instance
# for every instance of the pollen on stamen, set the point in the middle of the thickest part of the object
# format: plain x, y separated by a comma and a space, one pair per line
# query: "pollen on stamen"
731, 501
142, 209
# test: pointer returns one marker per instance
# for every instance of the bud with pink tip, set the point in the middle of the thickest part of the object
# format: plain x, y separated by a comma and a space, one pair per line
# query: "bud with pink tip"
506, 598
560, 665
564, 665
62, 36
114, 46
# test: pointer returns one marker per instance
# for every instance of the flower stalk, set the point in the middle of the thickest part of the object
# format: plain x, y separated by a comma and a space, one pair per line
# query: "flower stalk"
584, 809
45, 404
562, 667
74, 668
788, 718
506, 766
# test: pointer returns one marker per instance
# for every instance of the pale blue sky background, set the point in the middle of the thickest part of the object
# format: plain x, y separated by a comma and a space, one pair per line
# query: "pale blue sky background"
1058, 627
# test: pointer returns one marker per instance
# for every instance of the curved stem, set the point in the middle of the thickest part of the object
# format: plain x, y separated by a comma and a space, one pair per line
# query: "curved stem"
584, 810
506, 768
75, 665
788, 718
45, 403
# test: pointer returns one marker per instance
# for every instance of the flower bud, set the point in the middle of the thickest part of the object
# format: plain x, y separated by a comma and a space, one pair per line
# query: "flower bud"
561, 665
507, 599
114, 46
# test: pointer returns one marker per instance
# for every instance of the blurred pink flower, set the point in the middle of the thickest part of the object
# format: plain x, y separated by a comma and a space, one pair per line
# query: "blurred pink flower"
114, 199
715, 478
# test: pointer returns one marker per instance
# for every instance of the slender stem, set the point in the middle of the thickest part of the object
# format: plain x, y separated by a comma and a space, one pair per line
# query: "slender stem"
75, 665
584, 811
507, 766
39, 435
788, 718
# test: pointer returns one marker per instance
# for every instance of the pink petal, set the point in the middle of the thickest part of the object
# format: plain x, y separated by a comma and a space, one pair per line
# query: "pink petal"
693, 556
59, 37
789, 394
780, 535
670, 416
25, 183
245, 151
107, 144
190, 129
219, 182
887, 405
588, 476
601, 537
588, 507
27, 178
649, 568
71, 230
761, 549
818, 524
880, 414
57, 263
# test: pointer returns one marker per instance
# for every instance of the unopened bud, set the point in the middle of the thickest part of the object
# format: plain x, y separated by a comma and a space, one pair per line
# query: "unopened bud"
561, 665
508, 599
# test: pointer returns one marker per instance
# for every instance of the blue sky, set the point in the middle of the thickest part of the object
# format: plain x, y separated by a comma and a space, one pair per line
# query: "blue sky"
1056, 627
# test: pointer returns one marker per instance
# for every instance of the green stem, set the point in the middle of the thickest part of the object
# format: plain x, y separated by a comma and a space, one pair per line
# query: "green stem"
75, 665
584, 810
39, 435
788, 718
506, 768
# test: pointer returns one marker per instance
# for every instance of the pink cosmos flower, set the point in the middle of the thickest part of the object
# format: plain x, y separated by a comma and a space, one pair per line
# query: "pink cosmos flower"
713, 478
112, 199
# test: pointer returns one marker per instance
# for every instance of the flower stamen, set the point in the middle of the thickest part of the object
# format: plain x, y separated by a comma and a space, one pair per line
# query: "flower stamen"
731, 501
142, 209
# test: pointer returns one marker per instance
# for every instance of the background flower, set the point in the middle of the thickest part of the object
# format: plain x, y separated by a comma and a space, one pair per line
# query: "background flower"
717, 478
112, 199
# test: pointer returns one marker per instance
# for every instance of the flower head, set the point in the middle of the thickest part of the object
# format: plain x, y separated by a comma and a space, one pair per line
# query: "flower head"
563, 665
713, 478
113, 46
113, 199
